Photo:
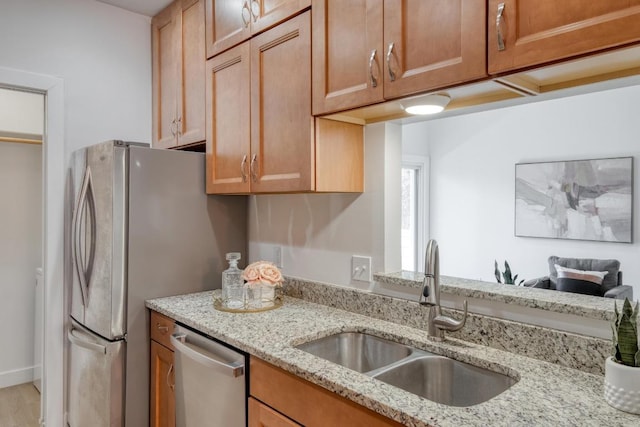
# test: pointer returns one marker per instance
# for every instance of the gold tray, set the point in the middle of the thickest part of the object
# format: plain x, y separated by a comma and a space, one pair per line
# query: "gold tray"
217, 304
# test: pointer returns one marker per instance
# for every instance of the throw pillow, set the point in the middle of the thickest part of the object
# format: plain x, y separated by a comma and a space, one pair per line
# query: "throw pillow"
580, 281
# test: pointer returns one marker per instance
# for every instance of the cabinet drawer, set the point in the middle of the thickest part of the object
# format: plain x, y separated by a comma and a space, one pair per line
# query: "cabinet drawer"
307, 403
161, 329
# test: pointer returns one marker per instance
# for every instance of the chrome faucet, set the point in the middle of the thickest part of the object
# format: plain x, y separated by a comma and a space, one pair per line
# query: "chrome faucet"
430, 296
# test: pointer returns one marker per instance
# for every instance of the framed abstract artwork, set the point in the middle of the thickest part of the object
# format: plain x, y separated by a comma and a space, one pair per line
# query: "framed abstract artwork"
576, 199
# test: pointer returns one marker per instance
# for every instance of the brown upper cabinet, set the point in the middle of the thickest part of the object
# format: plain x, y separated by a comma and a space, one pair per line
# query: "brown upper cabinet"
230, 22
366, 51
178, 74
261, 136
526, 33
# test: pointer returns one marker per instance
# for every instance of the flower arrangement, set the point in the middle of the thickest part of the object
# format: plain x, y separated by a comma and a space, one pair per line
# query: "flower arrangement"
262, 273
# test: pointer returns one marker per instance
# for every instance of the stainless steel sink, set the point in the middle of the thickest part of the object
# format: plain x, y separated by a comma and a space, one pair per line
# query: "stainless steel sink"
446, 381
357, 351
434, 377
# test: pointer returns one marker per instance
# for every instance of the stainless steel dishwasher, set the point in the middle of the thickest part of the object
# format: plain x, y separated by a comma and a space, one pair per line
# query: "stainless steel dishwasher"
210, 382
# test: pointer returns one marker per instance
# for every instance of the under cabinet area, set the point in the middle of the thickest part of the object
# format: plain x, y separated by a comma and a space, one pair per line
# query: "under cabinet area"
261, 136
162, 398
230, 22
529, 33
368, 51
303, 402
178, 56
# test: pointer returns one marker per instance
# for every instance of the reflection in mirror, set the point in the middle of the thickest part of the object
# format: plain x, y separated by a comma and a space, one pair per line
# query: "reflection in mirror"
470, 198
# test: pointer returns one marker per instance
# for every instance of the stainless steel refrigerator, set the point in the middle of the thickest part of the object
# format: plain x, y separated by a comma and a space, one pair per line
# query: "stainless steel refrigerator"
141, 227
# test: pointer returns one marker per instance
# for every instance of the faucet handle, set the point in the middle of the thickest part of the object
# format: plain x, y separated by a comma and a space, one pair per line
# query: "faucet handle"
449, 324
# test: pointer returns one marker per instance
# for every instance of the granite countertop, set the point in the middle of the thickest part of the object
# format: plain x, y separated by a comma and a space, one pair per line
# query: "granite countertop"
545, 395
545, 299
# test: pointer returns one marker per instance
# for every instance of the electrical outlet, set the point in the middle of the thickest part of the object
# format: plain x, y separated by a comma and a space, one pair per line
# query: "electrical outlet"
277, 256
361, 268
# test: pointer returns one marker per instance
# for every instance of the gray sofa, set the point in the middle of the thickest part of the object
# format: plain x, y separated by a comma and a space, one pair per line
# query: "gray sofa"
612, 286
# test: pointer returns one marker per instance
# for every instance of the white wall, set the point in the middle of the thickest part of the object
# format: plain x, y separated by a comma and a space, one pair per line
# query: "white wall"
472, 179
20, 255
96, 59
102, 53
320, 232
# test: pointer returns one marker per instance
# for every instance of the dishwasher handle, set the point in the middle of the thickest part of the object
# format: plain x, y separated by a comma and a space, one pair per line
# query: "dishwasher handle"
234, 369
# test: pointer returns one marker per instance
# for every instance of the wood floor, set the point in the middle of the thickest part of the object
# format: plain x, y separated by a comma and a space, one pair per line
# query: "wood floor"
19, 406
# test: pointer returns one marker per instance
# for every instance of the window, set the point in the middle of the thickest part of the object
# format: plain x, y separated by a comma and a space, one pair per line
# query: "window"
414, 217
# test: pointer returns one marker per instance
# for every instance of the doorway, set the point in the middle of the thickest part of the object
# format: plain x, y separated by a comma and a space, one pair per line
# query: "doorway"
21, 255
52, 235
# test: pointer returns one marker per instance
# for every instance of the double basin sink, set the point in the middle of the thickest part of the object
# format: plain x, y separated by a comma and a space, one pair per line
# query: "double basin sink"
434, 377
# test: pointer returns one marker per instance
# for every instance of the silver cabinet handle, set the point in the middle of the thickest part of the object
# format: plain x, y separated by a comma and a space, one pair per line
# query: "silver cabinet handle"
162, 328
252, 168
179, 126
374, 81
246, 19
243, 167
171, 386
76, 340
255, 12
392, 75
499, 27
235, 369
173, 127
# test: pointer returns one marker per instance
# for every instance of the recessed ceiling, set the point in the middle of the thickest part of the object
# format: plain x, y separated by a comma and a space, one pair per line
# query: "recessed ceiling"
144, 7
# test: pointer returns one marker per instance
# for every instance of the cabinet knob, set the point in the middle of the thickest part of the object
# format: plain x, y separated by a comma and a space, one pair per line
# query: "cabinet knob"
171, 386
243, 167
255, 9
246, 14
499, 26
253, 166
392, 75
374, 81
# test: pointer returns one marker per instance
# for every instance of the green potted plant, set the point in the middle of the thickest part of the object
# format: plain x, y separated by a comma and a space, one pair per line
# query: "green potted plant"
505, 277
622, 369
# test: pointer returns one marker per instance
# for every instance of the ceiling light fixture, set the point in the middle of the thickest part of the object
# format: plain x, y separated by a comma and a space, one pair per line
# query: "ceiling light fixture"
423, 105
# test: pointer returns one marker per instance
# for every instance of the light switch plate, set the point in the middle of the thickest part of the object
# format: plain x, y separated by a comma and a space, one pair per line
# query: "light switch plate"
361, 268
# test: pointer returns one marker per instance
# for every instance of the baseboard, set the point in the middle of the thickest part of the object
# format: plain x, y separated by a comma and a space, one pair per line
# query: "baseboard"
15, 377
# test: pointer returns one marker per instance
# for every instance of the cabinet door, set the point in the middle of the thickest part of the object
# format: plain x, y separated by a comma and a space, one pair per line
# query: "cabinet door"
533, 32
282, 143
228, 23
228, 121
432, 44
165, 76
163, 405
191, 101
261, 415
267, 13
348, 55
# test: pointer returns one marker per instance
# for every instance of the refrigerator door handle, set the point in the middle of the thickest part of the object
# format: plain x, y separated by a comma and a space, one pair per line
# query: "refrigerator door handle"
77, 340
234, 369
84, 267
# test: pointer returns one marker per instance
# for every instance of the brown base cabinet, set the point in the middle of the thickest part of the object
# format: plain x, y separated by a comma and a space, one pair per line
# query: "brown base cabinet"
162, 404
303, 402
260, 415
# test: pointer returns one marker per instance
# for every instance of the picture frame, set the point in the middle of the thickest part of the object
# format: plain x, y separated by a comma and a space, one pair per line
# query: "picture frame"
575, 199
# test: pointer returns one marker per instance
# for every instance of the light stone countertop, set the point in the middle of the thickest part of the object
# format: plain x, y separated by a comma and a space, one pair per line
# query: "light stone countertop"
545, 299
545, 395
